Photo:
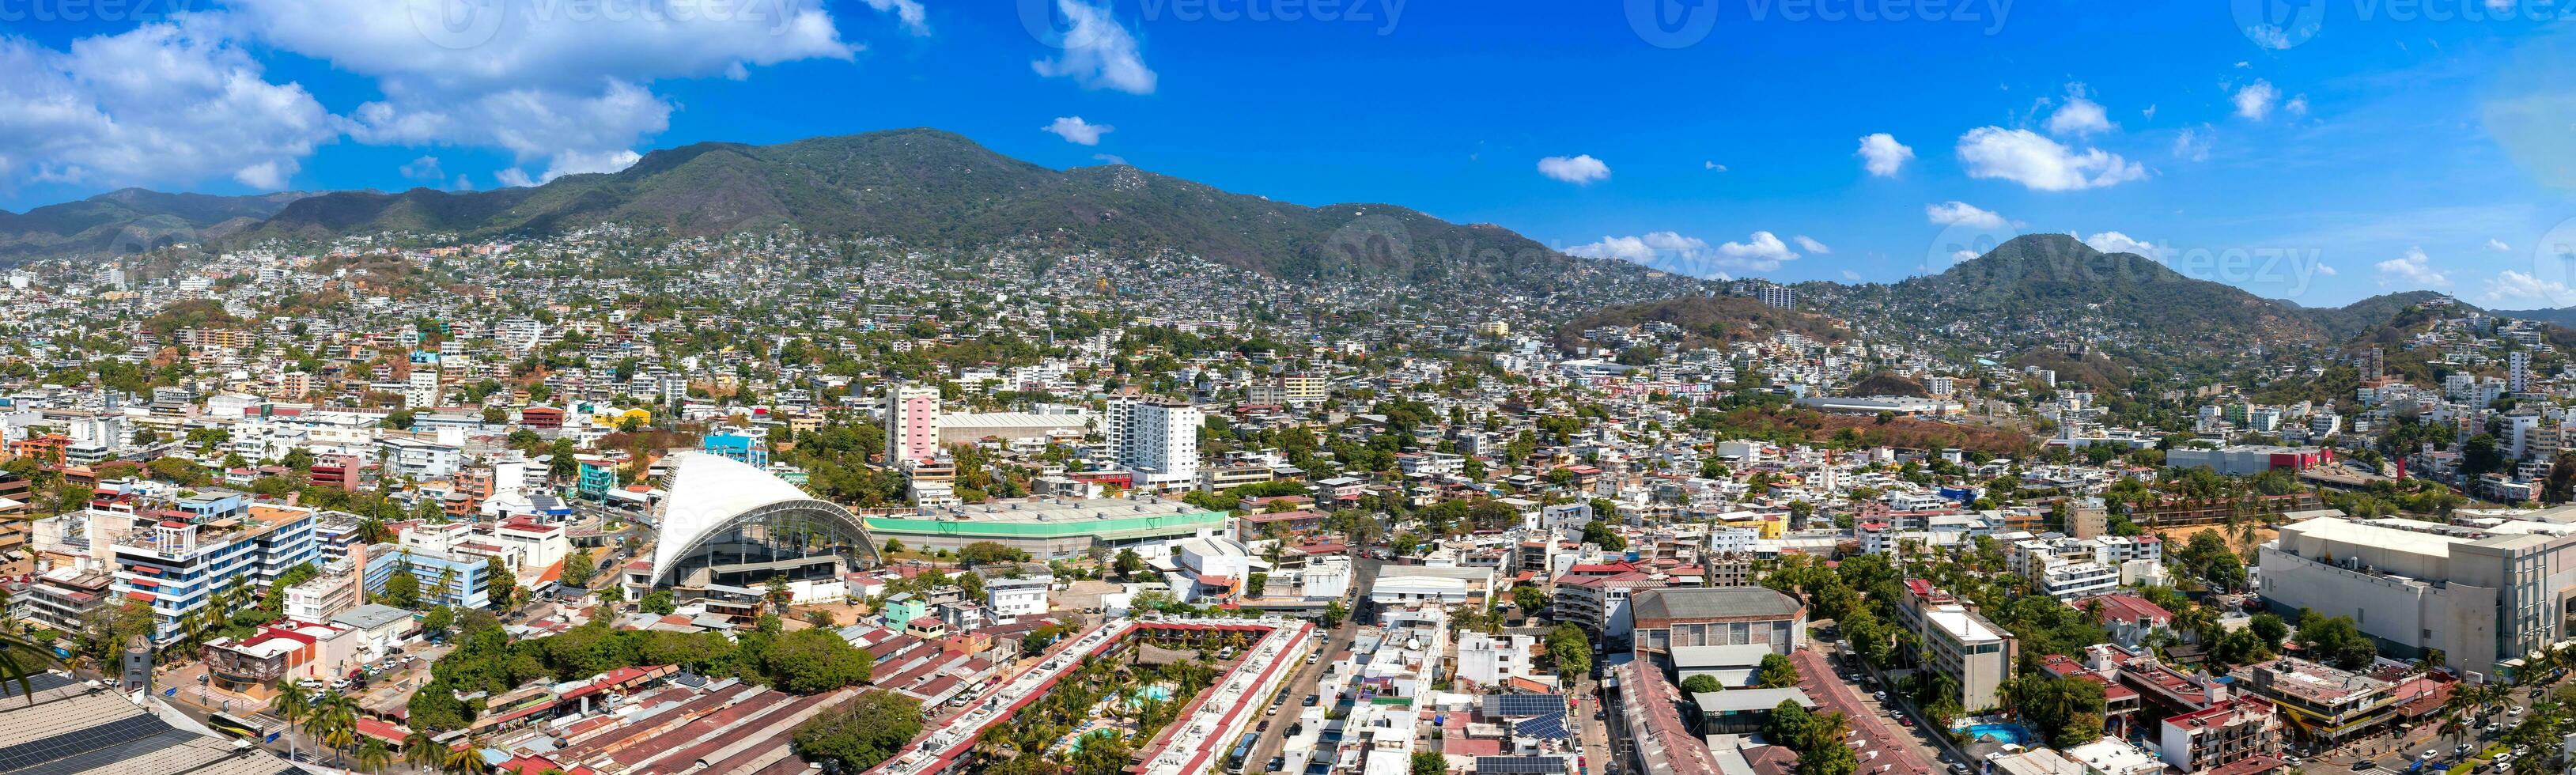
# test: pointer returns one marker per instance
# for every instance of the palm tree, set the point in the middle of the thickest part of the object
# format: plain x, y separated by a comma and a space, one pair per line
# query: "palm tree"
334, 720
21, 658
374, 756
467, 758
422, 752
291, 705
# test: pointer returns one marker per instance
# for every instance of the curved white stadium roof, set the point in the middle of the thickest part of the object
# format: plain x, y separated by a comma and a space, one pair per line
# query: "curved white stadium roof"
707, 491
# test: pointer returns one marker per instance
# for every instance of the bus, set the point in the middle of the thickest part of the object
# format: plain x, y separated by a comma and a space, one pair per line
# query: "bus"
241, 727
1242, 751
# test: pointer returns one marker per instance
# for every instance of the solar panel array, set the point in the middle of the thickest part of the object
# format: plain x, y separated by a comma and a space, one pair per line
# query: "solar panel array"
1519, 705
1547, 727
37, 684
1526, 765
30, 754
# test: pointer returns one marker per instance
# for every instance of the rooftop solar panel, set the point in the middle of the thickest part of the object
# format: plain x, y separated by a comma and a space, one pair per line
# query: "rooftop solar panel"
1523, 765
1518, 705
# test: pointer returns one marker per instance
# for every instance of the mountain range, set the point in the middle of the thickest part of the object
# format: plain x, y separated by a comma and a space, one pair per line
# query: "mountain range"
932, 188
131, 220
927, 187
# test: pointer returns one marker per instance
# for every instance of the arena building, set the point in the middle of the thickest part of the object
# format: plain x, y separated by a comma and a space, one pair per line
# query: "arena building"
729, 525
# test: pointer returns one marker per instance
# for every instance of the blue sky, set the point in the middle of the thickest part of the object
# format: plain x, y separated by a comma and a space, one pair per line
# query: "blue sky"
2316, 150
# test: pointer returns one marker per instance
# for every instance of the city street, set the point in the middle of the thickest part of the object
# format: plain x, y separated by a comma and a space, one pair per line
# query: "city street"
1302, 682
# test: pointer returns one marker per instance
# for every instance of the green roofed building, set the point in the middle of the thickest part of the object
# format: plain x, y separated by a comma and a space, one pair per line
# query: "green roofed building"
1051, 528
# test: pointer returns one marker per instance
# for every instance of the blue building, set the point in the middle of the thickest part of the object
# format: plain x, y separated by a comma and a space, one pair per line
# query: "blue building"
176, 561
598, 476
740, 448
467, 587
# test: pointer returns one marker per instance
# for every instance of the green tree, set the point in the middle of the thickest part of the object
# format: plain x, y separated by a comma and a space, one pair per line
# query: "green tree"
436, 622
659, 602
861, 734
814, 661
1571, 647
1529, 598
1777, 672
1429, 763
580, 568
402, 589
2065, 710
2336, 641
1702, 684
1598, 533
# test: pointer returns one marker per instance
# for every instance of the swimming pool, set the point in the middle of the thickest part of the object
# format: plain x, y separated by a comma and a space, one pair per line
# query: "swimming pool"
2009, 734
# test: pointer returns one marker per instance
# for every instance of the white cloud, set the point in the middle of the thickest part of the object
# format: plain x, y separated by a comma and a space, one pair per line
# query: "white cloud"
1882, 155
2041, 164
2191, 144
1713, 166
1109, 158
2327, 270
266, 176
1957, 213
1851, 276
1579, 170
2080, 116
463, 183
569, 84
2497, 244
1810, 245
165, 103
2413, 270
2297, 106
2115, 242
1077, 131
1097, 52
2255, 100
1674, 252
1764, 252
424, 168
575, 163
2515, 290
915, 19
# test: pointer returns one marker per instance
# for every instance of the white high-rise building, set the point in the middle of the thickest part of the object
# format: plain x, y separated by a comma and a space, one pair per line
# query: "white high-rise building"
422, 391
1157, 438
2519, 366
912, 424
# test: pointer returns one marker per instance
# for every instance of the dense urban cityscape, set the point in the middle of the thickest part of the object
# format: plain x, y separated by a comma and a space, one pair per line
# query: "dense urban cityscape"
618, 501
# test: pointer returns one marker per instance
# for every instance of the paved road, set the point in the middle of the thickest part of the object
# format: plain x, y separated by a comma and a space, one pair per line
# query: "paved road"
1599, 751
1302, 682
1898, 752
